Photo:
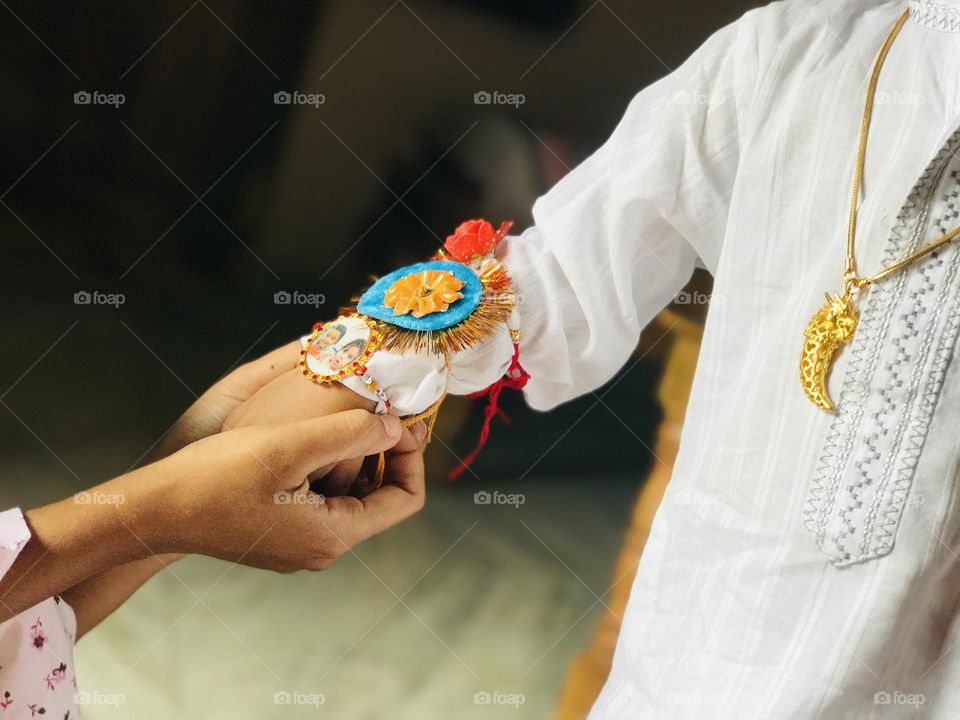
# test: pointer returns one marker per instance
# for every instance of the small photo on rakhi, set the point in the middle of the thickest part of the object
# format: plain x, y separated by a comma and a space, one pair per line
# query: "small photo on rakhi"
337, 346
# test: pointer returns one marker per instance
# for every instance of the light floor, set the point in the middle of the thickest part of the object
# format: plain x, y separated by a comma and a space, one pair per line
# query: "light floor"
463, 599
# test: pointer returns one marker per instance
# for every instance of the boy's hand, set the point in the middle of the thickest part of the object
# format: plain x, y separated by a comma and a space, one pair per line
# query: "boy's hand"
267, 391
291, 398
221, 407
208, 413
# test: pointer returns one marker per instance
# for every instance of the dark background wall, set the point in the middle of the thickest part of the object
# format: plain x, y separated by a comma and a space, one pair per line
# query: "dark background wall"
199, 198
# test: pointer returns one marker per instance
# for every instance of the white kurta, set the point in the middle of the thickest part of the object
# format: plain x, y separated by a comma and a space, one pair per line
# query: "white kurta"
802, 565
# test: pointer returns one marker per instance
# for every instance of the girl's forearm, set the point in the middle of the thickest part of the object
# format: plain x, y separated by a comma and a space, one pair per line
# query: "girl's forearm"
73, 540
97, 597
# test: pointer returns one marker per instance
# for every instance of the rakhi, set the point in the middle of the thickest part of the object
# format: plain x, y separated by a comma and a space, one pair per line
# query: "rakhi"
446, 305
342, 347
460, 297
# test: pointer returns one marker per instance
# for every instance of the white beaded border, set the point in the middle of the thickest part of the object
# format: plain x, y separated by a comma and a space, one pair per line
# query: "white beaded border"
935, 15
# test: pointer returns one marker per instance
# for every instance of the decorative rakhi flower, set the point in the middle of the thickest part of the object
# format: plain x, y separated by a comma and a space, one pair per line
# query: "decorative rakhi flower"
423, 293
478, 303
473, 238
407, 283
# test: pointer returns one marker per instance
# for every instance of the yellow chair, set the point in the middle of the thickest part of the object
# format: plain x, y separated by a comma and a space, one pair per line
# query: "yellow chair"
679, 350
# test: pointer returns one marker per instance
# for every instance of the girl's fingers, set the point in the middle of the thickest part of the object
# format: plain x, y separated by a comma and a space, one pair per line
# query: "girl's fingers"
337, 480
310, 444
402, 495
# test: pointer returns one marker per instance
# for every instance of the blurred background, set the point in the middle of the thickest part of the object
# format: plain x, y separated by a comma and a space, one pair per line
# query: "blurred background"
186, 185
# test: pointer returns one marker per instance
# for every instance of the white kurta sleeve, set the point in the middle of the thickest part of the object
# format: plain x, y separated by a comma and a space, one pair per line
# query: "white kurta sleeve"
614, 241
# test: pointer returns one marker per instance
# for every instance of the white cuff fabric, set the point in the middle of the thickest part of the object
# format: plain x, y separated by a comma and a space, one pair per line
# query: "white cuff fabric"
412, 382
415, 381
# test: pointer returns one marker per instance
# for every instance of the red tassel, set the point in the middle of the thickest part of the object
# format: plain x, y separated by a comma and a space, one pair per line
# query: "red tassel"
515, 378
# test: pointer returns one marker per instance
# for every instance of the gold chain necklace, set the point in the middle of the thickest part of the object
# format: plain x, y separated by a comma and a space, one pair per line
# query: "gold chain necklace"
835, 323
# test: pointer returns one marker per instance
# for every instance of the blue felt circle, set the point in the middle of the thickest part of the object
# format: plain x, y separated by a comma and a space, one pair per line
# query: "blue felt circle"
371, 302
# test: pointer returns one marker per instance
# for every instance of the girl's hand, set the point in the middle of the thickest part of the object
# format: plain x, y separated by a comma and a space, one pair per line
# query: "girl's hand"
243, 495
291, 397
240, 495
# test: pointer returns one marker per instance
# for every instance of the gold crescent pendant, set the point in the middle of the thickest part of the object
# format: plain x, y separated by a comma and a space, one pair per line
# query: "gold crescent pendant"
831, 327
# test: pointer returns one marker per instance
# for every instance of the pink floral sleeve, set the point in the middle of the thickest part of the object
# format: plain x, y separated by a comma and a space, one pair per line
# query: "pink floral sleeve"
36, 647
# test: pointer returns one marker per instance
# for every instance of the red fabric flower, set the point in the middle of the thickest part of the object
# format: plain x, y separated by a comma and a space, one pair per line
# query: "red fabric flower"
474, 237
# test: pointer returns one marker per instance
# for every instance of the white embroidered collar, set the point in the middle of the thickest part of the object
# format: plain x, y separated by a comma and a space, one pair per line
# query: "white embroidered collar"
943, 15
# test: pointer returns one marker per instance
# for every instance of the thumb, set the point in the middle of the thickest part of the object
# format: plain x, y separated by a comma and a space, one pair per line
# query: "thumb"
318, 442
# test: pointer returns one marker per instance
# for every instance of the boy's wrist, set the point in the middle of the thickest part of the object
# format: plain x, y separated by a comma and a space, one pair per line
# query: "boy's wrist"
411, 381
346, 398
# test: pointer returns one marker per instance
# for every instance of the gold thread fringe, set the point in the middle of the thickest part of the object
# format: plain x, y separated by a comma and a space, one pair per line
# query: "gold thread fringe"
381, 467
428, 417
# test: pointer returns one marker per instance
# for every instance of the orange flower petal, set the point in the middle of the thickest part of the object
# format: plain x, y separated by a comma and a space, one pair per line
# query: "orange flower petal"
423, 293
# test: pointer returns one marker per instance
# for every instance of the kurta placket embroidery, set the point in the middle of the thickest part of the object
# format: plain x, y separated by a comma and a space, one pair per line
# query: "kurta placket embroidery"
908, 330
